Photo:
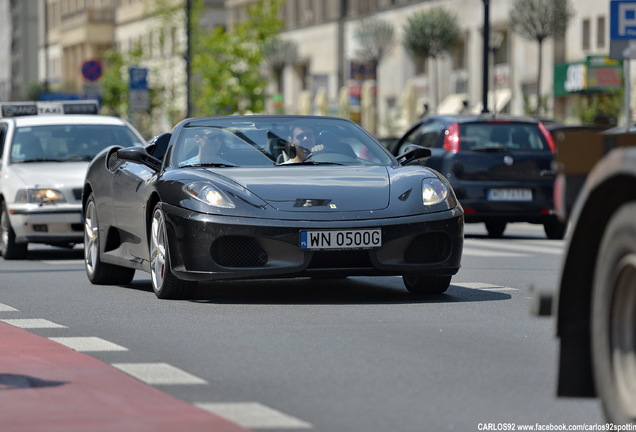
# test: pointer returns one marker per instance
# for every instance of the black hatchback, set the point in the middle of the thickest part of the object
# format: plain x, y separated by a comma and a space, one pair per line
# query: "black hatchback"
499, 166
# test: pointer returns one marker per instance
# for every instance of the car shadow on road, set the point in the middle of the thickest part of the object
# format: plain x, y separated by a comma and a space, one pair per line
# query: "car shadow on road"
325, 291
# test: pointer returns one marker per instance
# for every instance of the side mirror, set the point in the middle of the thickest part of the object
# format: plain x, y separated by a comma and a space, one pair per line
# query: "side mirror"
414, 153
139, 155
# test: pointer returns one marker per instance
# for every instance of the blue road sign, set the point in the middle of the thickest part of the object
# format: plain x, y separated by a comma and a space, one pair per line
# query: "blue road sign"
138, 78
623, 19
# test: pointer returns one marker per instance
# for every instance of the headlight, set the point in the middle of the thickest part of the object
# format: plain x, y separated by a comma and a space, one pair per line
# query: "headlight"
433, 191
39, 196
208, 194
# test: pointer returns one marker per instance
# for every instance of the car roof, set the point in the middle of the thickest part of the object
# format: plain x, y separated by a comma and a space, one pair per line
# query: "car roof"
464, 118
39, 120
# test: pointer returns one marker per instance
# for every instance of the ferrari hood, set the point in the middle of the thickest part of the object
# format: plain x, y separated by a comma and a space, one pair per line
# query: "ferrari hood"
317, 188
50, 174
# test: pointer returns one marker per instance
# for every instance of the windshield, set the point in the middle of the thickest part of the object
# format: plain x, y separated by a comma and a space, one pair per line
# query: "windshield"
68, 143
283, 141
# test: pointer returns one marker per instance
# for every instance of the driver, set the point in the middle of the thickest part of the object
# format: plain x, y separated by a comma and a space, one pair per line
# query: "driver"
302, 143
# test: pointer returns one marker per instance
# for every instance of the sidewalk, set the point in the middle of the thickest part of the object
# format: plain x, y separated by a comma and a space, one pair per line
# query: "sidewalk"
45, 386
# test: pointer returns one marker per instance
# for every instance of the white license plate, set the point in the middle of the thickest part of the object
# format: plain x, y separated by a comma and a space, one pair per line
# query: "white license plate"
342, 239
509, 194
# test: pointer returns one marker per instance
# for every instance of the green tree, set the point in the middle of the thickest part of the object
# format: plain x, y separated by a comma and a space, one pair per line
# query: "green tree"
537, 20
431, 34
601, 109
375, 39
228, 65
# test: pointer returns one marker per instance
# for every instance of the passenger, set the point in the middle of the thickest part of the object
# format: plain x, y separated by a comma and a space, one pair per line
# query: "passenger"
211, 148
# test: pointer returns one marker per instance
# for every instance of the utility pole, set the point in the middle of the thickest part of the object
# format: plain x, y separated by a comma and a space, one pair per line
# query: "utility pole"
188, 58
486, 73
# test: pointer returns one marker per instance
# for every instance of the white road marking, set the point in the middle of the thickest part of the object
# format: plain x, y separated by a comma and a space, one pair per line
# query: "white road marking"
158, 373
489, 253
500, 244
6, 308
484, 286
63, 262
254, 415
88, 344
32, 323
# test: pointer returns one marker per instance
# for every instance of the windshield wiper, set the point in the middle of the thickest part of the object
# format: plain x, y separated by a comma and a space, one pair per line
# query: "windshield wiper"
312, 163
490, 148
42, 160
209, 164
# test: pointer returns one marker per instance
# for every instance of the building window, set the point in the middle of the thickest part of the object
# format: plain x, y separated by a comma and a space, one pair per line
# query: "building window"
585, 37
600, 32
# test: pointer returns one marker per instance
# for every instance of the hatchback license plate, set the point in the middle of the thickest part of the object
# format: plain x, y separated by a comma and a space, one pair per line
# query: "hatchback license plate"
344, 239
510, 195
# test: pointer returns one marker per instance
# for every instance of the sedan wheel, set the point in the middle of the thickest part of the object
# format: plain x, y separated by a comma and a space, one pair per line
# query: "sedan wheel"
614, 318
165, 284
416, 284
496, 229
8, 246
98, 272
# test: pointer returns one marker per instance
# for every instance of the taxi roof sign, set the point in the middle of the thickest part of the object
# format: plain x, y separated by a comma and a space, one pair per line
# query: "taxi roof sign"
17, 109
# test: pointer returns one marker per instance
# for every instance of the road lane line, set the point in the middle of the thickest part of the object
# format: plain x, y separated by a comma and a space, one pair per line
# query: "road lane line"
88, 344
32, 323
484, 286
158, 373
499, 244
7, 308
254, 415
489, 253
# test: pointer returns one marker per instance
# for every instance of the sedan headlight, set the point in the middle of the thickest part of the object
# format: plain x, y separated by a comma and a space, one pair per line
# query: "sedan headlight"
208, 194
433, 191
39, 196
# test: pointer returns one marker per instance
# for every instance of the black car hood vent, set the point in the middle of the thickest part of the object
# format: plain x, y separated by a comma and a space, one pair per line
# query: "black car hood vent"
333, 188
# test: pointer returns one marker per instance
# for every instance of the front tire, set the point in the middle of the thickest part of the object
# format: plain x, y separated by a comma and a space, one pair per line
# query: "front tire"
614, 318
164, 283
98, 272
426, 285
9, 249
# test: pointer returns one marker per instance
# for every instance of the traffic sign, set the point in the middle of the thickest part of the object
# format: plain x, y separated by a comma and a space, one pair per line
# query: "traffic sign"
138, 78
623, 29
92, 70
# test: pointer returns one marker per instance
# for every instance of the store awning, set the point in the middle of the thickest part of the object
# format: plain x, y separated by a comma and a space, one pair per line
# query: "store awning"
453, 104
501, 99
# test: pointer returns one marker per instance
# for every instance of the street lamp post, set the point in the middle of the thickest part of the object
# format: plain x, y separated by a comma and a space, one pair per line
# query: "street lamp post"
188, 58
486, 74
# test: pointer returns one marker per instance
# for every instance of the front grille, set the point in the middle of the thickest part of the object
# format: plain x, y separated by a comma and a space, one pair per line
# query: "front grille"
340, 259
428, 248
237, 251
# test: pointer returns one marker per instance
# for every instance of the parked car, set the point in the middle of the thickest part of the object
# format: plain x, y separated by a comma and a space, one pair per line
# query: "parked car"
499, 166
250, 211
45, 149
595, 300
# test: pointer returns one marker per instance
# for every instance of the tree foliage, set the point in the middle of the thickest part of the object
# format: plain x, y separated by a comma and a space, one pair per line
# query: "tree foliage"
536, 20
375, 39
431, 33
228, 64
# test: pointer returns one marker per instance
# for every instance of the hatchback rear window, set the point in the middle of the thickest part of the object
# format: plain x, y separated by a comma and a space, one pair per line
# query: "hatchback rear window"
513, 136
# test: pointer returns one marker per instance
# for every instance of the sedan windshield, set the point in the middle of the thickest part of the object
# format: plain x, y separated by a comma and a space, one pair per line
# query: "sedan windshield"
68, 143
283, 141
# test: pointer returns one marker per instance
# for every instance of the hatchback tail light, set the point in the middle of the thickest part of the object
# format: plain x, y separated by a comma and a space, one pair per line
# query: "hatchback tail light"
451, 138
548, 137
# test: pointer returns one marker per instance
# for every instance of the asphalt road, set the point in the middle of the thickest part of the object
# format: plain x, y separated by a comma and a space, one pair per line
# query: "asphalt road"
353, 355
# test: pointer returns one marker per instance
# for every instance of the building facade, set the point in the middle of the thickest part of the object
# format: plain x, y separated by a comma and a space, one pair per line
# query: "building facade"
49, 41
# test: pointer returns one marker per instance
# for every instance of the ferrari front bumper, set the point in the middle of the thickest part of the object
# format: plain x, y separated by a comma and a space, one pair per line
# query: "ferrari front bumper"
214, 247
